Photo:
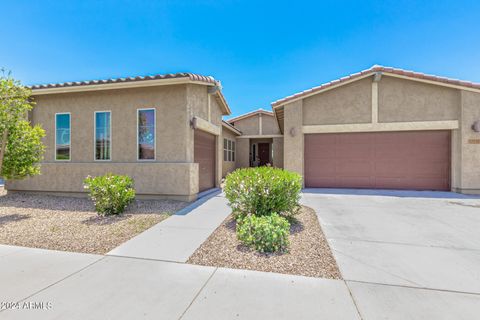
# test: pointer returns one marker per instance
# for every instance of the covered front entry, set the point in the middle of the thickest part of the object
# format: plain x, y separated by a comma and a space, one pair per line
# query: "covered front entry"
418, 160
204, 155
261, 152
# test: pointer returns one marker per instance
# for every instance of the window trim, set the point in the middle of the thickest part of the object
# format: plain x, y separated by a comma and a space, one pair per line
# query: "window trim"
229, 146
70, 128
154, 136
94, 136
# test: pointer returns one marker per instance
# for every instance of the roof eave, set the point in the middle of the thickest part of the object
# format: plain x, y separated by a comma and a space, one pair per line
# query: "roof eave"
117, 85
387, 71
231, 128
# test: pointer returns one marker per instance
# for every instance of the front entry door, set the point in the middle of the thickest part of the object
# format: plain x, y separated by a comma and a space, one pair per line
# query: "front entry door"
263, 153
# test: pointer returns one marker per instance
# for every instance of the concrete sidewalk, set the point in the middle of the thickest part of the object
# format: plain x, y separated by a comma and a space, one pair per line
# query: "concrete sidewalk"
81, 286
176, 238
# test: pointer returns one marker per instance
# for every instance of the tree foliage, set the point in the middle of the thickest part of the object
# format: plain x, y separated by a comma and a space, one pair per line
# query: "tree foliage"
21, 147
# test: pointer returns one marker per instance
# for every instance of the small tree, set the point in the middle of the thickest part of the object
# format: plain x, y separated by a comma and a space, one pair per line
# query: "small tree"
21, 147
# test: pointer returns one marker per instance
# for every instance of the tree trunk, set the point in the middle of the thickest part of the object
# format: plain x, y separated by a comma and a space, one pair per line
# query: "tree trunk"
2, 148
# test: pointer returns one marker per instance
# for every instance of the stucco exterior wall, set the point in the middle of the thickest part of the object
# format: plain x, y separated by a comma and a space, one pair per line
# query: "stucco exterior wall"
277, 146
293, 137
406, 100
169, 103
243, 153
347, 104
399, 100
171, 174
470, 144
228, 166
248, 126
171, 180
269, 125
198, 101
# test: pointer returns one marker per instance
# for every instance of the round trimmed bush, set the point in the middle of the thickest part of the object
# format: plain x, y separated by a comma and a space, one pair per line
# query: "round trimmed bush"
111, 194
262, 191
264, 233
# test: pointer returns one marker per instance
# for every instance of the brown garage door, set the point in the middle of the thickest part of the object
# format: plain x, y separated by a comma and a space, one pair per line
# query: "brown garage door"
204, 155
418, 160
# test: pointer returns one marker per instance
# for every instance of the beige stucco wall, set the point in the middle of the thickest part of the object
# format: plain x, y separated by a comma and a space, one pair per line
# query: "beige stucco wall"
293, 137
399, 100
406, 100
228, 166
269, 125
347, 104
168, 101
198, 102
277, 146
248, 126
171, 173
469, 180
174, 180
243, 153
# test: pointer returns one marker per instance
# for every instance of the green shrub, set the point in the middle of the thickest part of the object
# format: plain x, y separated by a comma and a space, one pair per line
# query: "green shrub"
264, 233
262, 191
111, 194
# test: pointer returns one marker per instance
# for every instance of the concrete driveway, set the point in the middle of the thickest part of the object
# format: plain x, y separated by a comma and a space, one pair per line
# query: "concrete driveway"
405, 255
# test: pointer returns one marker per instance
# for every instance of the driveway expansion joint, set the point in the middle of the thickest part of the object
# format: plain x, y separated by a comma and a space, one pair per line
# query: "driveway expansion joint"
198, 293
412, 287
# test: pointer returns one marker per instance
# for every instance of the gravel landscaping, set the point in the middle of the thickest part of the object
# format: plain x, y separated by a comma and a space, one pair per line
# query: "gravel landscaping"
309, 253
71, 224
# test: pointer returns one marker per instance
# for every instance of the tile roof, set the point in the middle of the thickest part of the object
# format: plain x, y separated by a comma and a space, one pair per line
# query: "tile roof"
374, 69
191, 76
249, 114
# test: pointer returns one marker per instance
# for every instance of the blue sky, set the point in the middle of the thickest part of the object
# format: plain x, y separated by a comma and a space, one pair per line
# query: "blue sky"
260, 50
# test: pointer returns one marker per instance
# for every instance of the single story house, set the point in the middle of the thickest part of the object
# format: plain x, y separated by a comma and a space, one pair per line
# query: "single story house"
379, 128
164, 131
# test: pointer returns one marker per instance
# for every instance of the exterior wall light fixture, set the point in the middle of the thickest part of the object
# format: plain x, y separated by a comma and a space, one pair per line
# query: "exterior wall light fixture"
476, 126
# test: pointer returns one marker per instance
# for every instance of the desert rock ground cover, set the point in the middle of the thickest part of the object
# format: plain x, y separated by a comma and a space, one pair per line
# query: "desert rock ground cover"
71, 224
309, 253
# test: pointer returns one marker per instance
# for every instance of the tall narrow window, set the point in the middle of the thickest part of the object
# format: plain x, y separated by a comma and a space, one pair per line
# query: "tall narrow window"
225, 150
229, 146
62, 136
233, 150
146, 134
103, 135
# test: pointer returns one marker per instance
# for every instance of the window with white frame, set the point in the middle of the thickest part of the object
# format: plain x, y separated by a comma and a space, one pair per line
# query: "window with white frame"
146, 134
62, 136
103, 135
228, 150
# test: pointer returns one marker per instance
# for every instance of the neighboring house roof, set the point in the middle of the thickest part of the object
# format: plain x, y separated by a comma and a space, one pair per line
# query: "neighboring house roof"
227, 125
374, 69
250, 114
133, 82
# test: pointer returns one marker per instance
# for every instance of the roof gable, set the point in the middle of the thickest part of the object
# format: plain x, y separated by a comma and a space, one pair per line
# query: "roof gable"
389, 71
250, 114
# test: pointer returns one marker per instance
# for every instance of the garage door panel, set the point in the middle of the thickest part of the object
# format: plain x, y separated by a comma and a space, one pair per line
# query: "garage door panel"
329, 181
355, 168
353, 151
325, 167
353, 138
393, 160
204, 155
390, 168
355, 182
